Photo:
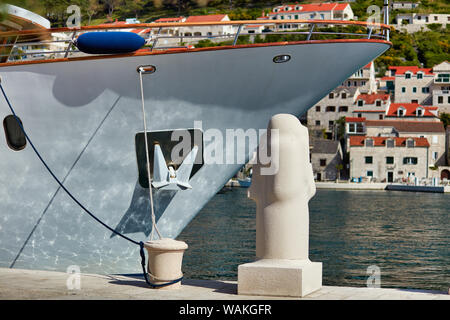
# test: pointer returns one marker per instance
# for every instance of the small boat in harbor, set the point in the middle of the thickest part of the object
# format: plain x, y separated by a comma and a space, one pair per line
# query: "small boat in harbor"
245, 183
83, 113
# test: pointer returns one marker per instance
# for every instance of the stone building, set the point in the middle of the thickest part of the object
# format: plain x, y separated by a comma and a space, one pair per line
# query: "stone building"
371, 106
440, 88
410, 84
326, 156
316, 11
425, 86
341, 101
433, 132
404, 5
413, 22
411, 112
388, 159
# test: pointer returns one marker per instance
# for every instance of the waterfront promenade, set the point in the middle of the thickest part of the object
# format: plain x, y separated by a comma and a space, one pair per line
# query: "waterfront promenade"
19, 284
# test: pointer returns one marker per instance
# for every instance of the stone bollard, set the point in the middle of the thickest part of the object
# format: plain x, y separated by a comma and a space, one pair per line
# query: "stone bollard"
282, 267
165, 257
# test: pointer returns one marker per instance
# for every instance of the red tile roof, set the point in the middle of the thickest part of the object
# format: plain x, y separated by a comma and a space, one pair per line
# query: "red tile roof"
410, 109
313, 7
206, 18
408, 126
388, 78
358, 141
141, 31
367, 66
371, 98
178, 19
399, 70
362, 111
353, 119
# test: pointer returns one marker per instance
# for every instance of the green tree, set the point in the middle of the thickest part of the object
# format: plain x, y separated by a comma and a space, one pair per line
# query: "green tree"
445, 118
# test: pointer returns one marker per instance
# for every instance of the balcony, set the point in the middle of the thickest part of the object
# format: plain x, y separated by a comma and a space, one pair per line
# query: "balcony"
441, 92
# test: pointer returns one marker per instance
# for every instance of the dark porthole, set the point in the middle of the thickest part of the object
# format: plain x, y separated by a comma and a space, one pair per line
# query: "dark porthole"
15, 138
282, 58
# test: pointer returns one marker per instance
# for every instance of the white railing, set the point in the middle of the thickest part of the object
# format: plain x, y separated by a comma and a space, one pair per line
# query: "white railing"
25, 45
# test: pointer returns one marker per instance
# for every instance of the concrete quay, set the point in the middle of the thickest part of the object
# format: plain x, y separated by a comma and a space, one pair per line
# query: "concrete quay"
351, 186
19, 284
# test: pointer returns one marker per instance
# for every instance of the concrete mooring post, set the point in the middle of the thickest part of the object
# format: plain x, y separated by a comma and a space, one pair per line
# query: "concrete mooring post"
282, 267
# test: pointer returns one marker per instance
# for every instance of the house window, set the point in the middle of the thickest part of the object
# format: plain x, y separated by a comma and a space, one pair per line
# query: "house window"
440, 99
349, 83
380, 117
419, 75
360, 103
389, 160
343, 109
410, 143
317, 122
344, 95
425, 90
359, 115
390, 143
410, 160
434, 156
368, 160
443, 77
419, 112
355, 128
403, 89
323, 162
15, 138
296, 16
407, 75
414, 89
369, 173
317, 108
369, 143
330, 109
434, 139
331, 95
378, 103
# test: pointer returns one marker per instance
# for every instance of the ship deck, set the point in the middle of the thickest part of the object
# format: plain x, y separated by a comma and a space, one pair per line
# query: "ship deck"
19, 284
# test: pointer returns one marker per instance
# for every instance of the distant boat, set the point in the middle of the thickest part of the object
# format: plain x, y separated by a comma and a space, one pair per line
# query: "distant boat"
245, 183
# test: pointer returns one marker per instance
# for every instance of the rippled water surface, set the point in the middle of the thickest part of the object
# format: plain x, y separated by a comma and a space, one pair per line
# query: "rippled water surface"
407, 235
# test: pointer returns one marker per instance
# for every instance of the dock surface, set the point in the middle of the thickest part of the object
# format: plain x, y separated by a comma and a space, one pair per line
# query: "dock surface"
20, 284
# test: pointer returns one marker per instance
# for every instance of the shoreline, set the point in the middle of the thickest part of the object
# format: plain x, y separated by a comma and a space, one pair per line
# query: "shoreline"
365, 186
22, 284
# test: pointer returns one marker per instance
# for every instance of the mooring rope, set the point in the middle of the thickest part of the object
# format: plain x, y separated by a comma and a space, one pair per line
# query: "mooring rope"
154, 227
140, 243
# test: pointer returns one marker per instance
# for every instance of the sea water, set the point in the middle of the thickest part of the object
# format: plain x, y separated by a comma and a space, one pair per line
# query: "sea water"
404, 235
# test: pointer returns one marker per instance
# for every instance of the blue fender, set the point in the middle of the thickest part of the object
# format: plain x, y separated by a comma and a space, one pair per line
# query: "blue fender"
109, 42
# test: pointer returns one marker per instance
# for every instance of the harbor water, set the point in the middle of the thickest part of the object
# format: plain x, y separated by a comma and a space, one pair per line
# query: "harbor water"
404, 234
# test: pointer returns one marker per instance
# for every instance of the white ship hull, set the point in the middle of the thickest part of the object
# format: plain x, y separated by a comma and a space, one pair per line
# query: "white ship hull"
83, 117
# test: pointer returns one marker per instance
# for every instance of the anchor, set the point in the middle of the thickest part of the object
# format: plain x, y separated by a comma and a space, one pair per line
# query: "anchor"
166, 177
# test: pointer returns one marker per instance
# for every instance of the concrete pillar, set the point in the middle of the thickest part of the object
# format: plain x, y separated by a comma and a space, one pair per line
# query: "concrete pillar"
282, 267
